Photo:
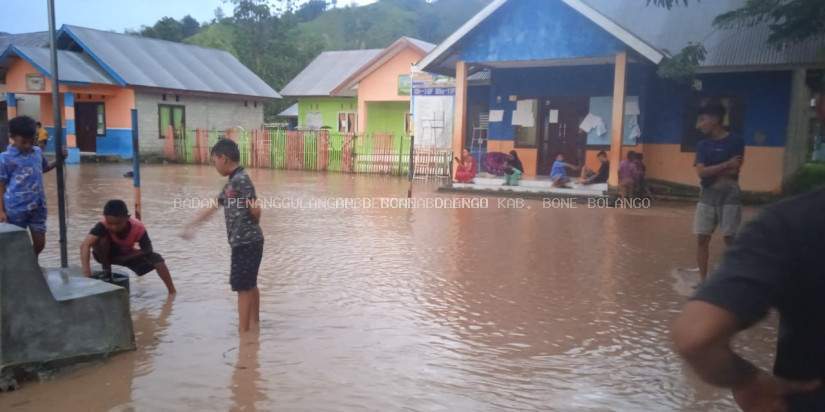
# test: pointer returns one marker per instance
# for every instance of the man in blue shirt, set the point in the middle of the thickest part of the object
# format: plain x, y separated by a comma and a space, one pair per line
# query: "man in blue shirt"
558, 171
23, 200
718, 161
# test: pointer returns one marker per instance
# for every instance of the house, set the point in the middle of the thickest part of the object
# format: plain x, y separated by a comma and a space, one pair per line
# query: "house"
288, 118
359, 91
580, 76
104, 75
30, 105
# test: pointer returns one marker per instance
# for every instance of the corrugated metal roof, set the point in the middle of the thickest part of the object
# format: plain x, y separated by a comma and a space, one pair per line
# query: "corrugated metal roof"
671, 30
35, 39
73, 67
327, 71
291, 111
667, 31
146, 62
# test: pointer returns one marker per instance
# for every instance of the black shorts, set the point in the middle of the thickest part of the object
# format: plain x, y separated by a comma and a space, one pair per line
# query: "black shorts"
246, 260
141, 264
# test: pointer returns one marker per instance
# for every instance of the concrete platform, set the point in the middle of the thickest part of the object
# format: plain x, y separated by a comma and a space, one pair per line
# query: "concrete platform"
538, 186
55, 316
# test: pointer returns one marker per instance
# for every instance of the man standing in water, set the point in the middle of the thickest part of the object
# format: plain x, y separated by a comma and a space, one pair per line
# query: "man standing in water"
718, 160
776, 262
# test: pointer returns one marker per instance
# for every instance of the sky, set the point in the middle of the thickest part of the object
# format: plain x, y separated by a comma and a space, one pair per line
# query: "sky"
22, 16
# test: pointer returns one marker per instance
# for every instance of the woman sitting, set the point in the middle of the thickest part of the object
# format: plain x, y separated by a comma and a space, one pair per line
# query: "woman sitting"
514, 169
466, 167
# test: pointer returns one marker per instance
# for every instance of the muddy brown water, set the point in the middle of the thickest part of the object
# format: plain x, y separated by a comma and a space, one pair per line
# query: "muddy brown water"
390, 309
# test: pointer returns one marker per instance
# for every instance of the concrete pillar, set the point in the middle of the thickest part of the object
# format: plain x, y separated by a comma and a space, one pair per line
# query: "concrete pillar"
11, 105
361, 121
459, 110
617, 118
69, 130
797, 145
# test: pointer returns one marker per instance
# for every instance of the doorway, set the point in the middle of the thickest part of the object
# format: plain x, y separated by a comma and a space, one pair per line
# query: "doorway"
560, 133
86, 126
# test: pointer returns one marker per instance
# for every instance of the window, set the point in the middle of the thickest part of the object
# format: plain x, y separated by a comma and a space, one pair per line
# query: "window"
314, 120
525, 122
101, 119
346, 122
734, 120
169, 115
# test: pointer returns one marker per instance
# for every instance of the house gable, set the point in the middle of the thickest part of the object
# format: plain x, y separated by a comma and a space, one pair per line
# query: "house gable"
537, 30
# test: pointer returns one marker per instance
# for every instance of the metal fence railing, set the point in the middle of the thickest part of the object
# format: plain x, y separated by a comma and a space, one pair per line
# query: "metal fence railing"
312, 150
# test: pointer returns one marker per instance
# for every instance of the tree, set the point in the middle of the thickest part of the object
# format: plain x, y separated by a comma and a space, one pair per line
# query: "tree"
790, 21
189, 26
167, 28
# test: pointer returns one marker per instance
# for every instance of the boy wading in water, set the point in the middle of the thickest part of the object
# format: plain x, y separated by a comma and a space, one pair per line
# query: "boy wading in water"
719, 158
242, 229
112, 241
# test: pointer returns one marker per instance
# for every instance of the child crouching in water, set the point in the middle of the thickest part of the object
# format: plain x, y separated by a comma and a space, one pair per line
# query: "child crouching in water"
243, 231
112, 242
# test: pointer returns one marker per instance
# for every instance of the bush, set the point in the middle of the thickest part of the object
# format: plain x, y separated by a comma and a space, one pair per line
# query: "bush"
810, 176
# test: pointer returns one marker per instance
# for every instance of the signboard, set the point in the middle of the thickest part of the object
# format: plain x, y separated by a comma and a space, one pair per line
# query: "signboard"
404, 85
35, 82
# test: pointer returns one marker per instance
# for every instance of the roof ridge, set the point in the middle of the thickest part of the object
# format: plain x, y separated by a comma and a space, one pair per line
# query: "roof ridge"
137, 36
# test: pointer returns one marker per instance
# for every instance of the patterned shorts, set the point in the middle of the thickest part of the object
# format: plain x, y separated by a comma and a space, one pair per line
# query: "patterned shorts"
246, 260
34, 220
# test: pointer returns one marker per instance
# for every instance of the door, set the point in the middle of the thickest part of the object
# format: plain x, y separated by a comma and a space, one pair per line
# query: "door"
85, 118
560, 131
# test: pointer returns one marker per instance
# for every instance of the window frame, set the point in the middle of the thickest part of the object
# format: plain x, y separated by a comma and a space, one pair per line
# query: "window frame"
100, 107
537, 121
350, 125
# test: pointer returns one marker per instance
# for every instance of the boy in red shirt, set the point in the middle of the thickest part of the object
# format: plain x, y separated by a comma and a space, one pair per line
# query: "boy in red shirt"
112, 242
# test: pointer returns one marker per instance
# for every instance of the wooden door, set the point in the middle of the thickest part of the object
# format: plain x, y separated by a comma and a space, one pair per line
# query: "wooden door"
85, 117
560, 131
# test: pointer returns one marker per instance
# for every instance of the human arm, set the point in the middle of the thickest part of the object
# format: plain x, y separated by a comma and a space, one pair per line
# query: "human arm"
750, 280
47, 167
85, 253
145, 244
188, 231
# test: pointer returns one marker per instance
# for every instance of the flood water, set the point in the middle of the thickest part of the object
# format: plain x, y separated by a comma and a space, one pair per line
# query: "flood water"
389, 309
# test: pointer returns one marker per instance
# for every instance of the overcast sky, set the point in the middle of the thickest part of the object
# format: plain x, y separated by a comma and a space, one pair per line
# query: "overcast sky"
21, 16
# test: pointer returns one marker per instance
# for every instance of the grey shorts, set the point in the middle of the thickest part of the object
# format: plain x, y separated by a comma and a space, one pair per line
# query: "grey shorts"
708, 217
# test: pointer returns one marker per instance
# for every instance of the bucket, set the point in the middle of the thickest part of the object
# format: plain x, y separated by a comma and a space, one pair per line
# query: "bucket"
118, 279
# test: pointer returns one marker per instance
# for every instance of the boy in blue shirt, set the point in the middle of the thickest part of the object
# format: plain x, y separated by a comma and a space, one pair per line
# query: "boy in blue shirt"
719, 158
23, 200
558, 172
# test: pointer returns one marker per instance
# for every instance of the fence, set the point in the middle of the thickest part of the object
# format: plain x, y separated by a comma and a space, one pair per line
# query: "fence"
312, 150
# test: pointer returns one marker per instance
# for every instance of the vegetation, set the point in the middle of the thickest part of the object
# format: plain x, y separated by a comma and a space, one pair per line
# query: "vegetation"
276, 39
810, 176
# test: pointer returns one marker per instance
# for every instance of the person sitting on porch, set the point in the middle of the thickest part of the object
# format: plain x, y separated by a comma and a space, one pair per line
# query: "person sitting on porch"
466, 167
514, 169
642, 190
628, 175
558, 172
112, 242
589, 177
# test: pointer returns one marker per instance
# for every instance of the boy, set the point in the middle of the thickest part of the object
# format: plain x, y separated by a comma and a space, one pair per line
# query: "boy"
558, 172
42, 136
23, 200
589, 177
112, 241
718, 161
243, 231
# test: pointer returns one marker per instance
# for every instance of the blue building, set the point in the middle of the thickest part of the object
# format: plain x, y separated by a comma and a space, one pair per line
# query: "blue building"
580, 76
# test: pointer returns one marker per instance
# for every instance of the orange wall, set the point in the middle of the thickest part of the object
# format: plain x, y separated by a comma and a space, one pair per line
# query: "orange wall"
118, 103
761, 172
382, 84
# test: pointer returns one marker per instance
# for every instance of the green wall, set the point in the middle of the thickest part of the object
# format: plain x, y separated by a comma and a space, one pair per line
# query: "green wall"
329, 108
387, 117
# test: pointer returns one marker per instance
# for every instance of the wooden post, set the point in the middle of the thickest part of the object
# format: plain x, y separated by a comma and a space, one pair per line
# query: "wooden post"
136, 163
617, 118
459, 111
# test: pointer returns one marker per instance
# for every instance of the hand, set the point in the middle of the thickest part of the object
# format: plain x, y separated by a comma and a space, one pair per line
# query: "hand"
734, 162
766, 393
188, 233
